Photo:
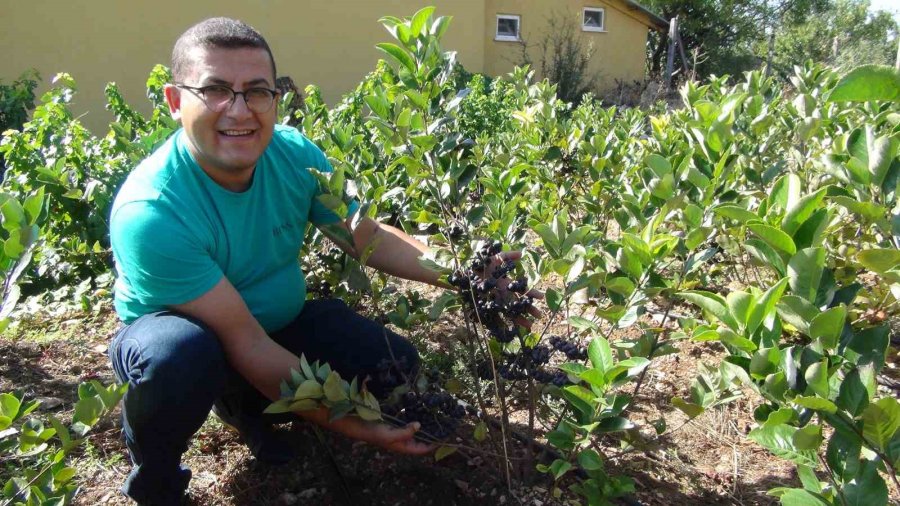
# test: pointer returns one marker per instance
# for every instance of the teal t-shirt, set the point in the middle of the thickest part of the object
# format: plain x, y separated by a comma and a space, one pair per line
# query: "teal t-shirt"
175, 232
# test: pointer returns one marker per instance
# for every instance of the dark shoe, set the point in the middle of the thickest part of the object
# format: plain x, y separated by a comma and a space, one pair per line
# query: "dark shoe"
138, 488
260, 437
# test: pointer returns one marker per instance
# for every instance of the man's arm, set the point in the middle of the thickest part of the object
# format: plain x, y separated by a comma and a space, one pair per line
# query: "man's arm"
392, 250
264, 363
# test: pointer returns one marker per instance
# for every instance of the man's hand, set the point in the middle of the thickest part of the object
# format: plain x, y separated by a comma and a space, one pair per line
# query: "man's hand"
398, 439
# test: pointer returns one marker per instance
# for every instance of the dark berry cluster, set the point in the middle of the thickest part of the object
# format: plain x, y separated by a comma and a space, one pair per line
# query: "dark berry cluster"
438, 412
571, 350
478, 286
533, 362
389, 374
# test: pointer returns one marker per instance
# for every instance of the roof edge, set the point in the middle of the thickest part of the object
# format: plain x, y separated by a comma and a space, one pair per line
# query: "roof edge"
660, 22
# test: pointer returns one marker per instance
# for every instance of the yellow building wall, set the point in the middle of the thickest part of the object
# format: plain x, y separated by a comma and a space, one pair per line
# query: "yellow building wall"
327, 43
619, 53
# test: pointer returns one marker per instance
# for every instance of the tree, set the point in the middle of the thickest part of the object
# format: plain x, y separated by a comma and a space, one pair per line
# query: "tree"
723, 31
843, 33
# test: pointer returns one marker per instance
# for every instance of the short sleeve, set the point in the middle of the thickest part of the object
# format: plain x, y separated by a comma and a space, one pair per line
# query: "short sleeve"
160, 261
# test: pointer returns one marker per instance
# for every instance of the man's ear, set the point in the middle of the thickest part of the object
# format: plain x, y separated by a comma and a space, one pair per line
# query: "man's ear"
173, 99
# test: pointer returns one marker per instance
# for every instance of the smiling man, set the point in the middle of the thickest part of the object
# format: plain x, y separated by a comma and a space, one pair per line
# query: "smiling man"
206, 233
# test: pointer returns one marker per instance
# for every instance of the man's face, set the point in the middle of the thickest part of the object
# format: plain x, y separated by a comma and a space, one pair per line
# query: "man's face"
228, 143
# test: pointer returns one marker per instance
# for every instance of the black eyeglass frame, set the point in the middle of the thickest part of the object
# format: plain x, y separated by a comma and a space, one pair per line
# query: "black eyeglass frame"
200, 92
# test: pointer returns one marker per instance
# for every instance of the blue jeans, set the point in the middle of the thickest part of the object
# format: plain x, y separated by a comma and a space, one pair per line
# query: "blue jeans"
177, 369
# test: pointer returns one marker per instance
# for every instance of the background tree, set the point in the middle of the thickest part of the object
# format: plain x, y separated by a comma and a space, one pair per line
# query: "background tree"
842, 33
733, 36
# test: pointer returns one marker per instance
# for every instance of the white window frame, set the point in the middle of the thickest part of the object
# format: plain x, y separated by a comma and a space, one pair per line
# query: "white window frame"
509, 38
602, 27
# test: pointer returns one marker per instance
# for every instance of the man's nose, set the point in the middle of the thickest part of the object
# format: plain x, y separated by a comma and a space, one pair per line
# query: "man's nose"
238, 107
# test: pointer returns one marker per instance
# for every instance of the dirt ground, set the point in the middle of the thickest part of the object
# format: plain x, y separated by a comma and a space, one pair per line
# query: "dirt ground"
704, 462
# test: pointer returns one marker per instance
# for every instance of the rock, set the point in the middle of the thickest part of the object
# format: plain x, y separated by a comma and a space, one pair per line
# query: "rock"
308, 493
288, 499
462, 485
49, 403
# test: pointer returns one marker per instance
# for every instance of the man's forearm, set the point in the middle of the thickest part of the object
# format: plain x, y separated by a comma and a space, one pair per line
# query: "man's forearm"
394, 252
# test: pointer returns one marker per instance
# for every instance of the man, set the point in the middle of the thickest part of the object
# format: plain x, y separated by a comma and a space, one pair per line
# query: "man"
205, 233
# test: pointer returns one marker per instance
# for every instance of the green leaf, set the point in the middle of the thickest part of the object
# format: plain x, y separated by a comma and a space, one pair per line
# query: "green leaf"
582, 323
551, 241
561, 438
801, 497
764, 362
867, 488
399, 54
305, 368
812, 232
735, 212
595, 378
88, 410
867, 83
711, 302
690, 409
480, 432
554, 299
869, 211
309, 389
879, 260
440, 304
857, 389
774, 237
805, 272
816, 376
334, 389
808, 437
379, 105
881, 419
63, 476
600, 354
615, 424
797, 311
279, 406
620, 285
9, 406
659, 165
828, 325
842, 455
882, 151
590, 460
739, 304
765, 306
778, 439
802, 210
304, 405
419, 20
370, 410
869, 346
815, 403
766, 255
559, 467
444, 452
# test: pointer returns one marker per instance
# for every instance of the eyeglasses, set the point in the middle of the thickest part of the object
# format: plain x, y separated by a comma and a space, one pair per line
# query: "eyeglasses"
218, 97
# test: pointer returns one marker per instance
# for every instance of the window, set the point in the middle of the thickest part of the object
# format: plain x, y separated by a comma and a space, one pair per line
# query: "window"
507, 27
593, 20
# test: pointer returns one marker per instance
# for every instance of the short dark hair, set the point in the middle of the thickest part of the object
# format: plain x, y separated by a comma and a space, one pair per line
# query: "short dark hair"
224, 33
